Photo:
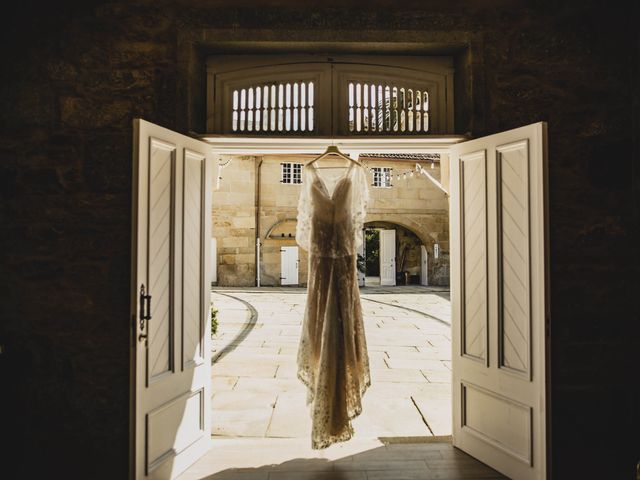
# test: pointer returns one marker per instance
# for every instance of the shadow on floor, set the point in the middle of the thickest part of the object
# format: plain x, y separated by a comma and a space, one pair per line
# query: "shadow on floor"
427, 461
246, 330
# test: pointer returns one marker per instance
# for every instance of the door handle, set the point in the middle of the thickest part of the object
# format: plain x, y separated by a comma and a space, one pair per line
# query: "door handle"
144, 317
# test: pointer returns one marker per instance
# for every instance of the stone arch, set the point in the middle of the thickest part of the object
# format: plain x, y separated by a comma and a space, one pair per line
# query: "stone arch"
415, 224
272, 228
419, 230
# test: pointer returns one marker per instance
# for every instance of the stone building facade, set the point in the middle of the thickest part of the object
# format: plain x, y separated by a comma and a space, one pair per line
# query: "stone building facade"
413, 206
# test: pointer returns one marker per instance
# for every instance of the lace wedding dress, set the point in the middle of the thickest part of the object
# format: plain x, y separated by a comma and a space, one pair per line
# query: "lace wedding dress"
332, 354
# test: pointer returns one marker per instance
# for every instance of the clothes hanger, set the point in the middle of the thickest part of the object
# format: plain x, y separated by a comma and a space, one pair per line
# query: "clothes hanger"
333, 150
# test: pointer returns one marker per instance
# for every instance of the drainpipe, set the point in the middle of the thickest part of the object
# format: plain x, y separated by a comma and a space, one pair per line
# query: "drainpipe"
257, 221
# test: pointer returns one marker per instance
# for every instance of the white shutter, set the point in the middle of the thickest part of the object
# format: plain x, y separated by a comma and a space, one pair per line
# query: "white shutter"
289, 265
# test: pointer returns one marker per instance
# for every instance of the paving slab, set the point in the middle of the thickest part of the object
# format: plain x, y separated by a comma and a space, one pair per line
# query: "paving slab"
385, 417
291, 417
247, 422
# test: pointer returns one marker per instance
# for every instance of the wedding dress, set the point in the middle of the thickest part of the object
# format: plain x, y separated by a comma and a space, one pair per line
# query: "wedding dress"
332, 356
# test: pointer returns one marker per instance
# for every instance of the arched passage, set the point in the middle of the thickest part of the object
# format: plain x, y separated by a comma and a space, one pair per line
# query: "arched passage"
414, 253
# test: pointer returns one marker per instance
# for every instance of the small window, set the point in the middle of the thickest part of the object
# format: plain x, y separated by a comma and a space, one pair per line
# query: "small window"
382, 177
291, 173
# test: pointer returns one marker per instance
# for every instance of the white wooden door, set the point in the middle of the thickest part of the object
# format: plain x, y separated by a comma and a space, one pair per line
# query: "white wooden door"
498, 267
170, 282
387, 257
288, 265
424, 266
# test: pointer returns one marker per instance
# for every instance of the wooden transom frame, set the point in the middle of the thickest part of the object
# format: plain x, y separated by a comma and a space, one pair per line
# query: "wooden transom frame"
331, 75
259, 145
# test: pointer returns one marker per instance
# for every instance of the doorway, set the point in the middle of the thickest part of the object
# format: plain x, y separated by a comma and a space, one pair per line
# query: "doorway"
478, 399
372, 256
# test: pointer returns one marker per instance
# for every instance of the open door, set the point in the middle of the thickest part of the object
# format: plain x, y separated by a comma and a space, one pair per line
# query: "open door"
170, 301
387, 257
498, 231
424, 265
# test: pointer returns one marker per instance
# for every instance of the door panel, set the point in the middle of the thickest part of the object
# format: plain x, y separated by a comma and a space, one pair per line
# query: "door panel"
170, 283
474, 241
161, 242
193, 256
498, 235
387, 257
512, 164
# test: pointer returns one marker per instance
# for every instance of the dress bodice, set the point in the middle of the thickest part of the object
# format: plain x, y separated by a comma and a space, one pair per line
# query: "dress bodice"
330, 222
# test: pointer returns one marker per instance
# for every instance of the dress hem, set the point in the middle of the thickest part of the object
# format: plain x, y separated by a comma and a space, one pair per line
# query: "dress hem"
348, 434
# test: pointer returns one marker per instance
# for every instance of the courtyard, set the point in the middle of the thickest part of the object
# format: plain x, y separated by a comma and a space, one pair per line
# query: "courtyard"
255, 390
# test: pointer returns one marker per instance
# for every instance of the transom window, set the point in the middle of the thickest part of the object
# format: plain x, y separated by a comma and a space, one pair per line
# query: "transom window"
330, 96
290, 173
382, 177
274, 107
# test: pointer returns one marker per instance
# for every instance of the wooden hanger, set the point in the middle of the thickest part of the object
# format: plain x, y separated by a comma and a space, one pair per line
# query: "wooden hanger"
333, 150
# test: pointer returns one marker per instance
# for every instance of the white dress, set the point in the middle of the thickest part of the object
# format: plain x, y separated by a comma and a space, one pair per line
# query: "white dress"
332, 356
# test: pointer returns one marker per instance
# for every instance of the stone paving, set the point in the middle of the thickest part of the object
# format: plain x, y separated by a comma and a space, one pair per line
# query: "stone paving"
257, 394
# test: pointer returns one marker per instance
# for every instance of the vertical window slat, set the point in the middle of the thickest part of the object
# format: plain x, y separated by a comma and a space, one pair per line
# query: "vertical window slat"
274, 103
387, 108
265, 108
296, 100
374, 119
358, 107
310, 110
287, 115
250, 109
303, 105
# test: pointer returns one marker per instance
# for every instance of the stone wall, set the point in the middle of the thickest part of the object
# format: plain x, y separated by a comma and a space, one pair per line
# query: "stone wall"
234, 221
278, 203
75, 74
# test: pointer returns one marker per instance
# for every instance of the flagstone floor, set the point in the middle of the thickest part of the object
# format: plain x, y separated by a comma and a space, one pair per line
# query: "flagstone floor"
256, 392
261, 425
